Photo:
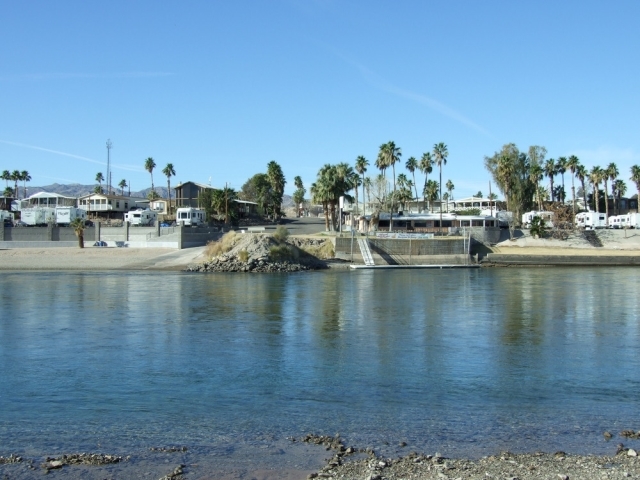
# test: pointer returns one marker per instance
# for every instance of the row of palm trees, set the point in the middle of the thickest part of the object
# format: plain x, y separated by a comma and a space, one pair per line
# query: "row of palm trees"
169, 171
15, 176
334, 181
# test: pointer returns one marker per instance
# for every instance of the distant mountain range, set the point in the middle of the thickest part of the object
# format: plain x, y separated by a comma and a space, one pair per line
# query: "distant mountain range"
77, 190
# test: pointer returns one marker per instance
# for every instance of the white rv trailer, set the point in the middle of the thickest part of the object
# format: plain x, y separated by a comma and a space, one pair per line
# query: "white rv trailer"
141, 217
190, 216
528, 217
38, 216
591, 220
66, 215
6, 217
634, 220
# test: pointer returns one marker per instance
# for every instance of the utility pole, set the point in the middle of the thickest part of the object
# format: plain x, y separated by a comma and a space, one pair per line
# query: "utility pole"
109, 146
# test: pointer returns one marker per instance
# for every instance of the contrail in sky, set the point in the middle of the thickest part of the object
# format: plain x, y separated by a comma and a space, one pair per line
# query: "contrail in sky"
71, 155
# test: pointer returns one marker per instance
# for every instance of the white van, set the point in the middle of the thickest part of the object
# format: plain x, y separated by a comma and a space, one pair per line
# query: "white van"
190, 216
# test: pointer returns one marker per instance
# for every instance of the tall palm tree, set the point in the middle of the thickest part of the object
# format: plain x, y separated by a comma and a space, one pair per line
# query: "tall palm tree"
389, 155
431, 192
361, 167
366, 185
561, 168
536, 173
99, 179
550, 171
149, 165
440, 154
610, 173
122, 185
412, 165
277, 181
15, 176
426, 167
450, 187
572, 165
78, 227
6, 176
25, 177
582, 175
635, 178
169, 172
595, 177
619, 189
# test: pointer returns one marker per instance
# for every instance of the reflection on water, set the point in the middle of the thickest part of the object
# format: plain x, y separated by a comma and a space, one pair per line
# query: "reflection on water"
469, 362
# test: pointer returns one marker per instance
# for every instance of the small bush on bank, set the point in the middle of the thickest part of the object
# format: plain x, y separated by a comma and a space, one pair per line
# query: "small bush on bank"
221, 246
323, 251
281, 234
243, 256
282, 253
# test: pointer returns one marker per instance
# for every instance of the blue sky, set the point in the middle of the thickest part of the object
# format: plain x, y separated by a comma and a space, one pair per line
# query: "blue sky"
220, 88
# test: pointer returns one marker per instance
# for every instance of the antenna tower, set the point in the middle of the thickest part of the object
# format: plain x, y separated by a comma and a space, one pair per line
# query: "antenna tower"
109, 147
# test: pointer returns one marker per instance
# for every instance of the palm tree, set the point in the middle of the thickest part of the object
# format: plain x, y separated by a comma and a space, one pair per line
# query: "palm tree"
536, 173
277, 181
572, 165
595, 177
550, 171
78, 227
610, 173
6, 176
619, 189
99, 179
440, 154
412, 166
15, 176
169, 172
122, 185
25, 177
366, 184
431, 192
149, 165
582, 175
388, 156
361, 167
561, 168
635, 178
450, 187
426, 167
8, 192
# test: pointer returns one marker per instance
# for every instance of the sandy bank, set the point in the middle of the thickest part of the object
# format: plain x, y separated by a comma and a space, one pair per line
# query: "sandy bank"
95, 258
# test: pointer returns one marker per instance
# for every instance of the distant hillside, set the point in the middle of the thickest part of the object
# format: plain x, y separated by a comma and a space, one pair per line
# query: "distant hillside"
77, 190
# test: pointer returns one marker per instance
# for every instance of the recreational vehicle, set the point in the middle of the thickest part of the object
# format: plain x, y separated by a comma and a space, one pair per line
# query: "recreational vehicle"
6, 217
38, 216
190, 216
591, 220
141, 217
528, 217
66, 215
634, 220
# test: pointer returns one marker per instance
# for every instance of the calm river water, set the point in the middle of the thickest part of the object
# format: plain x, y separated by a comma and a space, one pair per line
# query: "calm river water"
463, 362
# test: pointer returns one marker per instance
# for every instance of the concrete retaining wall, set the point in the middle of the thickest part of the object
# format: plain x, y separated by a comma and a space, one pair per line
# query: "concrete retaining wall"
406, 247
45, 234
562, 260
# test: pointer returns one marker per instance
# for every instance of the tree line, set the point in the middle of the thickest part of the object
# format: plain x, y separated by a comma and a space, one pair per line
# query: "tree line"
15, 176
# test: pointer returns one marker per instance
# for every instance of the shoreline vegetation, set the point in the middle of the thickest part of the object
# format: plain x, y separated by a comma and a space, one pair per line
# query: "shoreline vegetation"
341, 462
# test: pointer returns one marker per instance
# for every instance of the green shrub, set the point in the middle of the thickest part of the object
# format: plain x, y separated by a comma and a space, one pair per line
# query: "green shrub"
538, 227
243, 255
281, 234
282, 253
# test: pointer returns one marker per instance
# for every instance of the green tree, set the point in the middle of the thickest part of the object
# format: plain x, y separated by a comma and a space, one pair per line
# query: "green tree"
431, 193
426, 167
6, 176
169, 172
153, 195
619, 189
572, 165
550, 171
8, 192
561, 168
440, 154
25, 177
412, 165
635, 178
595, 177
583, 175
361, 167
149, 165
277, 181
15, 176
99, 179
450, 187
536, 174
611, 173
122, 185
388, 155
78, 227
298, 195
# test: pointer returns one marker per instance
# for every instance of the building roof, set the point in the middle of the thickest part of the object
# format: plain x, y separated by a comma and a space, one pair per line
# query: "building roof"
48, 195
201, 185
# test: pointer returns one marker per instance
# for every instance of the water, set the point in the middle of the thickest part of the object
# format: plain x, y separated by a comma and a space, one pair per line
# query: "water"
465, 362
